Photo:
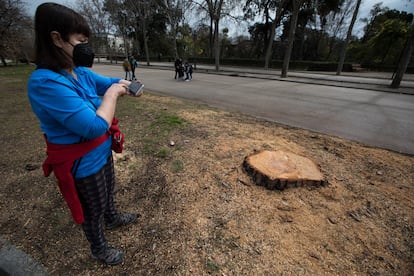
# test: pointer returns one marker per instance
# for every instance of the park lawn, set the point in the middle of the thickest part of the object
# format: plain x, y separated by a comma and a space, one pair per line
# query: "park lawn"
200, 213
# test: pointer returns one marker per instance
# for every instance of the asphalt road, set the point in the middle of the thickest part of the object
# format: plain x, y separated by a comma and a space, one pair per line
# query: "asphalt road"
374, 118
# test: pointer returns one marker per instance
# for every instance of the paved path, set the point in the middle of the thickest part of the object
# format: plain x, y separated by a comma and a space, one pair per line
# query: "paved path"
377, 81
15, 262
375, 118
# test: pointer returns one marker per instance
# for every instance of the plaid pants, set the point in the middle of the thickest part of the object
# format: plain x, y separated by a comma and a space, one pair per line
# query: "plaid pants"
96, 194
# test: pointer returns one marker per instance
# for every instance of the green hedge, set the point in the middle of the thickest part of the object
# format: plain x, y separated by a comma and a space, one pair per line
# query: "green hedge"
293, 65
276, 64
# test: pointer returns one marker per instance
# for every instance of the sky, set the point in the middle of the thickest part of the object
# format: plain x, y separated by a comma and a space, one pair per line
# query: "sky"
401, 5
32, 4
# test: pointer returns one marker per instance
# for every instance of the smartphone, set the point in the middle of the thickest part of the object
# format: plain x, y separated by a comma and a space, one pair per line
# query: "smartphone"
135, 88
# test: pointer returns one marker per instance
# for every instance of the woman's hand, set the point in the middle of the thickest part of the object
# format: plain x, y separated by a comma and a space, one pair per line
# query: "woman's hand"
107, 108
117, 89
126, 82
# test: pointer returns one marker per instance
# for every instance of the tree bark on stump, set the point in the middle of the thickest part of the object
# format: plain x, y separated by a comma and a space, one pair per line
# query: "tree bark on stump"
280, 170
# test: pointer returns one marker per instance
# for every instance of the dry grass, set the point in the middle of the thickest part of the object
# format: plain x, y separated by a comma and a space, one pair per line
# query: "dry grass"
200, 213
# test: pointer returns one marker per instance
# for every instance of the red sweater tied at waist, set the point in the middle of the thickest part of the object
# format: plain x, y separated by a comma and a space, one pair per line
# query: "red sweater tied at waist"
60, 159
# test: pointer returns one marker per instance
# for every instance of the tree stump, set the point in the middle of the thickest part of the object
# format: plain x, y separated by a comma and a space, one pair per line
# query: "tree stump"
279, 170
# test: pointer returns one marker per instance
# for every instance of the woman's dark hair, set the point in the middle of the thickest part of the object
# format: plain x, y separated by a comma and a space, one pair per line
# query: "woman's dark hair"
54, 17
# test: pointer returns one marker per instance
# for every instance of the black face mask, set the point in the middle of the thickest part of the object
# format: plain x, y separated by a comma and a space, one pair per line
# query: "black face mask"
83, 55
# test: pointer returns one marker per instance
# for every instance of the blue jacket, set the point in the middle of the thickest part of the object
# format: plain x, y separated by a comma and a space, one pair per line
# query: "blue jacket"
66, 108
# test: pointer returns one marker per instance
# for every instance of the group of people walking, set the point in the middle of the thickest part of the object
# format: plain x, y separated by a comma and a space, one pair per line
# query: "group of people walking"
181, 68
129, 66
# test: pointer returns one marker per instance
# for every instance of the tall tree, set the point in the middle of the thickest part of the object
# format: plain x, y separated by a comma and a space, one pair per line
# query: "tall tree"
405, 57
98, 19
253, 8
348, 38
216, 10
140, 12
305, 34
142, 22
404, 60
293, 22
384, 38
15, 26
279, 12
117, 13
148, 25
335, 23
174, 14
323, 9
371, 27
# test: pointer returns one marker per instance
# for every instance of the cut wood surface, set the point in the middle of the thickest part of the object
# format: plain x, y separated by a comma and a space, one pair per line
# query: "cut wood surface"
279, 169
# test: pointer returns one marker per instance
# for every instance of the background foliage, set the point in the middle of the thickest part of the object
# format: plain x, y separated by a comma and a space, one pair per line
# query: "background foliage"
191, 29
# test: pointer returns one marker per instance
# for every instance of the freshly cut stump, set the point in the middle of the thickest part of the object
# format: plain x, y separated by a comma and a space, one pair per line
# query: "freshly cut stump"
279, 170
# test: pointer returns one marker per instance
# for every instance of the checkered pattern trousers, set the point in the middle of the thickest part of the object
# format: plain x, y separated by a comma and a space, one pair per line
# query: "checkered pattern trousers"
96, 194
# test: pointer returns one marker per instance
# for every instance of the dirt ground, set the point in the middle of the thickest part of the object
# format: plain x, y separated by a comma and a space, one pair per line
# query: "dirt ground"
200, 213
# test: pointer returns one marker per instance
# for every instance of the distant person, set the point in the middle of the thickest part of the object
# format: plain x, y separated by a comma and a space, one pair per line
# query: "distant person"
127, 68
181, 71
188, 69
177, 66
76, 107
134, 65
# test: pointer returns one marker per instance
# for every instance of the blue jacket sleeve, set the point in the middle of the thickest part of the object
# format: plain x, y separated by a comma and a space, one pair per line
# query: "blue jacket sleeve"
102, 83
63, 113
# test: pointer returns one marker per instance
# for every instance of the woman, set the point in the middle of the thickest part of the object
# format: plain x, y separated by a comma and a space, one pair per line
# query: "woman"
78, 124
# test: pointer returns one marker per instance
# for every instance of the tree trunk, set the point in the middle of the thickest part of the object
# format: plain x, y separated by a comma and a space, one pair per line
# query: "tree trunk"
173, 23
146, 48
145, 37
216, 45
348, 37
268, 56
3, 60
212, 35
174, 34
275, 23
292, 30
404, 61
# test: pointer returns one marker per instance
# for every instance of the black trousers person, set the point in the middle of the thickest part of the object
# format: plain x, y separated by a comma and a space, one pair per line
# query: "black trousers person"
96, 194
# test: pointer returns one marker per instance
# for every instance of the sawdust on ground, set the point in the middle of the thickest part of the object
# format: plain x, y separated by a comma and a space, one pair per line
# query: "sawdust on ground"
201, 214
